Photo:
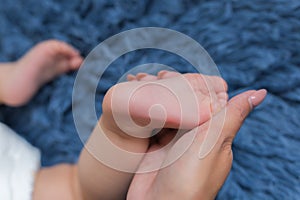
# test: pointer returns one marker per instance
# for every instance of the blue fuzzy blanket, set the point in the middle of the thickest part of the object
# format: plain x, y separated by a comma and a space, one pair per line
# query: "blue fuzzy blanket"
256, 44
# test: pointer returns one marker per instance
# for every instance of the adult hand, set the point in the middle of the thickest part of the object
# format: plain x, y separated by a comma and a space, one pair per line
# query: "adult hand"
193, 176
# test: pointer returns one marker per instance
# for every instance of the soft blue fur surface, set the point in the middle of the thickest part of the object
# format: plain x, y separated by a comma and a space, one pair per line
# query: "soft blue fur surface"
256, 44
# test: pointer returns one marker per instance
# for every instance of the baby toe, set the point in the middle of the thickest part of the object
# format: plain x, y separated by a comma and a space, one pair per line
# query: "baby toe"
131, 77
215, 102
223, 102
222, 96
75, 62
167, 74
218, 83
60, 48
199, 83
145, 77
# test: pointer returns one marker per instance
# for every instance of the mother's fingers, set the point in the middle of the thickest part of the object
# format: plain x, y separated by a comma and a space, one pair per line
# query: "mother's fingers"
205, 176
220, 131
238, 109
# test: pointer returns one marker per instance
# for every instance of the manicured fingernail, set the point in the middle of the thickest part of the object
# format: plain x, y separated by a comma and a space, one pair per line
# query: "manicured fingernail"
257, 97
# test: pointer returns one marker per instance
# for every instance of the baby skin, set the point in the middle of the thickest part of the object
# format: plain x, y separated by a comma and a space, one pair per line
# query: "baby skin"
168, 100
93, 179
188, 177
188, 101
131, 112
20, 80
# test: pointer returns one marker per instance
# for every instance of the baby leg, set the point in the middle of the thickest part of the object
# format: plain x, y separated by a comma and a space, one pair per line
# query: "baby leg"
98, 180
20, 80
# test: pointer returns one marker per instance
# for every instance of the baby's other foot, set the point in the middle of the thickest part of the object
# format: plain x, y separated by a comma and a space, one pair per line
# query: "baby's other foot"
41, 64
169, 100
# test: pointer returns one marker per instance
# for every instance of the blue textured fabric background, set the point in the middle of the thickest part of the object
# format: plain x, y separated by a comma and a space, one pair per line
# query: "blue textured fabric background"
256, 44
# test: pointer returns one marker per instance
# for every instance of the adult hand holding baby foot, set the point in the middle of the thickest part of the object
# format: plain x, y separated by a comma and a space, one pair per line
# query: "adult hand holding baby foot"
194, 174
168, 100
191, 177
188, 101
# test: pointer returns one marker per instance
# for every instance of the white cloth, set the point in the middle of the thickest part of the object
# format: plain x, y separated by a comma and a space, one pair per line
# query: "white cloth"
19, 162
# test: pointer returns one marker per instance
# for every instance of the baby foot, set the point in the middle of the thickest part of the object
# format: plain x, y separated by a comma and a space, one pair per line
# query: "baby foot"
41, 64
221, 93
170, 100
